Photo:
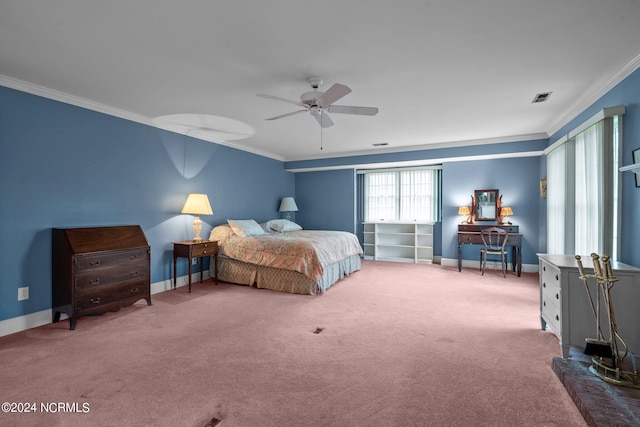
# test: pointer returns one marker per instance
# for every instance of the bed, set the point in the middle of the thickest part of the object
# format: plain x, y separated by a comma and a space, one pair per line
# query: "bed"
281, 256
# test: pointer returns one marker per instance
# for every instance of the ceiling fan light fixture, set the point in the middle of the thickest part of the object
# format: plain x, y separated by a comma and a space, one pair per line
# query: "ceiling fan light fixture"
315, 82
319, 103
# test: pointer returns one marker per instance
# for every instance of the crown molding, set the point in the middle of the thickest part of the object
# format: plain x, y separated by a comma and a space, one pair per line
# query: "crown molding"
418, 163
589, 99
451, 144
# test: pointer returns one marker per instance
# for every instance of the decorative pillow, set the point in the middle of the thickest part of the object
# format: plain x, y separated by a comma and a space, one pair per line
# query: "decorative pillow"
221, 233
245, 227
282, 225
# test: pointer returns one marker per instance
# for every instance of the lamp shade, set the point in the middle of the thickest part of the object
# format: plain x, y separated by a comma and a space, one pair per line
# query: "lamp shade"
197, 204
506, 211
288, 205
464, 210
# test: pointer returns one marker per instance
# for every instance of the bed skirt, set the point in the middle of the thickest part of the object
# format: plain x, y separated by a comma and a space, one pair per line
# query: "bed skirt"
233, 271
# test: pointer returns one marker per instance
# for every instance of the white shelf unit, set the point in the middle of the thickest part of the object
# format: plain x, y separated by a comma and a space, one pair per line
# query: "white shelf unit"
399, 241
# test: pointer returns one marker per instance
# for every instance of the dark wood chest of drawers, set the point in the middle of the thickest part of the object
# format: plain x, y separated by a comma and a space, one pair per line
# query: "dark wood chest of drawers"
98, 269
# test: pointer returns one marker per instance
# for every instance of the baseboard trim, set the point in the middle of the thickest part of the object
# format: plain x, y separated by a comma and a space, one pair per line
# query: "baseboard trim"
22, 323
44, 317
448, 262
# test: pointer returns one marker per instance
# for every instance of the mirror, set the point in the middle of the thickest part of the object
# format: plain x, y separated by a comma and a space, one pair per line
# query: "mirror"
486, 205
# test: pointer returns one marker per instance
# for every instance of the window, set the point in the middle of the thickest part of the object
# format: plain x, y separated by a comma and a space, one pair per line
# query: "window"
583, 188
402, 195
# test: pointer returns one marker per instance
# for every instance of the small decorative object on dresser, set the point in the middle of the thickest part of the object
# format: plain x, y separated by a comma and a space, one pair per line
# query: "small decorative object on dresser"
191, 250
98, 269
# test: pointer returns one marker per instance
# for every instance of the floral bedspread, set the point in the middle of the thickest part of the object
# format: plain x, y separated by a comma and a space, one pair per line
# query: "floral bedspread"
304, 251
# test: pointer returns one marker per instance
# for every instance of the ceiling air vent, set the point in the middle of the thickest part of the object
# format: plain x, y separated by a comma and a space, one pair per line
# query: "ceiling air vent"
541, 97
380, 144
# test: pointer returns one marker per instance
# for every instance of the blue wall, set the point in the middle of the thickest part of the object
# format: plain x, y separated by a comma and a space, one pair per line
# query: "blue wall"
518, 184
327, 200
65, 166
324, 194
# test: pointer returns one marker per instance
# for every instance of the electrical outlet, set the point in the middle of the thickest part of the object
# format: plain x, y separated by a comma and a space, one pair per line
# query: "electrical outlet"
23, 293
194, 261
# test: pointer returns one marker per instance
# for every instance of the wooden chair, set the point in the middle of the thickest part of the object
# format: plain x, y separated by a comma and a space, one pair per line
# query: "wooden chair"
494, 239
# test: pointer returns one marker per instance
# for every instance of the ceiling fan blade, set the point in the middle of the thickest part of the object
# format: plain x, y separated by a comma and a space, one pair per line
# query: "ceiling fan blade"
332, 94
323, 119
286, 115
349, 109
277, 98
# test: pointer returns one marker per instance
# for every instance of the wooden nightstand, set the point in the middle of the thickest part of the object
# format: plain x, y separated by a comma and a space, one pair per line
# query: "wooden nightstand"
190, 250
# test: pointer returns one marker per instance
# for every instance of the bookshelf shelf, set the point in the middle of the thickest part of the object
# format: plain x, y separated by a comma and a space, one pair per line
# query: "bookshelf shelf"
399, 241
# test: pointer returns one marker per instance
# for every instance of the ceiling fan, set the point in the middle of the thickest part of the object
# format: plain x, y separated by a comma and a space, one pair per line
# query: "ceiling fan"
319, 103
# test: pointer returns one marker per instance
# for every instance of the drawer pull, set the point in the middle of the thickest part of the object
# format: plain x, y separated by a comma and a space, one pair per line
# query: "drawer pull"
133, 256
204, 252
557, 296
544, 303
133, 291
556, 277
544, 284
94, 263
557, 317
94, 281
544, 268
134, 274
95, 300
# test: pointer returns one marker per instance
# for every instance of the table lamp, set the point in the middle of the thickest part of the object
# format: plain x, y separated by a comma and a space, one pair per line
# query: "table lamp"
197, 204
466, 212
288, 205
505, 213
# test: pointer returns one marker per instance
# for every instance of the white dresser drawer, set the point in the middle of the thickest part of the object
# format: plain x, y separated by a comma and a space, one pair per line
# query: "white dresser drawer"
551, 314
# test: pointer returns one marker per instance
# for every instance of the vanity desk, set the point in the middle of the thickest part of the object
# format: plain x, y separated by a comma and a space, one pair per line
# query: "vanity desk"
487, 209
470, 234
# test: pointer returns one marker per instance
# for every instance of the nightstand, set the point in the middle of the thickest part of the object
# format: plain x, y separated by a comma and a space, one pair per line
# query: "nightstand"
190, 250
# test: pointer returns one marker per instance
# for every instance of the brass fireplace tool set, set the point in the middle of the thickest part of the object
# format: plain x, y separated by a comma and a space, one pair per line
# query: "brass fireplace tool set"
609, 351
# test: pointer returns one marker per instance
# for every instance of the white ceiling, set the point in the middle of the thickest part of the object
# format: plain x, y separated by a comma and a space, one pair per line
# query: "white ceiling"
440, 71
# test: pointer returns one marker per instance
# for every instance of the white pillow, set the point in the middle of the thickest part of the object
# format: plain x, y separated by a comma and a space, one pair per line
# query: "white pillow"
282, 225
245, 227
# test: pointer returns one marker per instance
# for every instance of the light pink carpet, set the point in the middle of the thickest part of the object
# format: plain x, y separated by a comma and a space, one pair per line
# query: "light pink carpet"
401, 345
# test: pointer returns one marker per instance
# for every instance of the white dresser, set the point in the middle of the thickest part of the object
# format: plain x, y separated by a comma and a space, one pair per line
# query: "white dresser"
564, 304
